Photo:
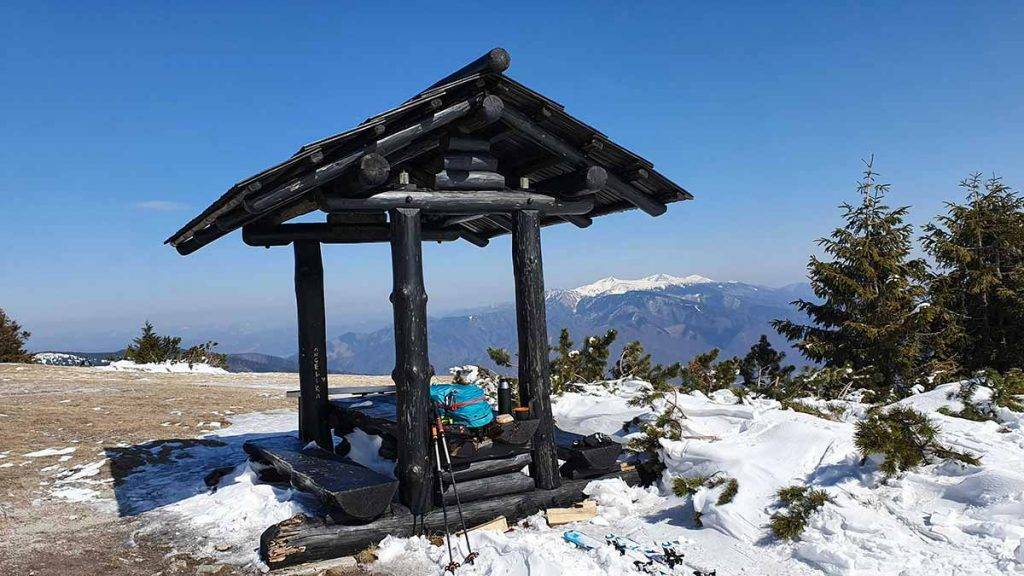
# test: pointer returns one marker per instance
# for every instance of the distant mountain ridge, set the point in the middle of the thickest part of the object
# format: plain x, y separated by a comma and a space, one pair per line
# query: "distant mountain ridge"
674, 317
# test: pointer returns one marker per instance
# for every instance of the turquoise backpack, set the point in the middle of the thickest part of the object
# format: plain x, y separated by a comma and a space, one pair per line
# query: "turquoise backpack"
464, 404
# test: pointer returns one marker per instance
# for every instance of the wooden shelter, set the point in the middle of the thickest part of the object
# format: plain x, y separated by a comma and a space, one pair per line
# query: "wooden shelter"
474, 156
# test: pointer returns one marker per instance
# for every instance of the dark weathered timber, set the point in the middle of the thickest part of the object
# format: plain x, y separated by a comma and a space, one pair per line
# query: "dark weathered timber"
487, 113
467, 144
471, 161
501, 220
412, 368
303, 539
578, 221
262, 202
531, 320
488, 468
371, 171
494, 486
284, 234
376, 414
474, 238
341, 484
468, 180
571, 153
583, 182
495, 61
350, 391
309, 300
386, 145
455, 202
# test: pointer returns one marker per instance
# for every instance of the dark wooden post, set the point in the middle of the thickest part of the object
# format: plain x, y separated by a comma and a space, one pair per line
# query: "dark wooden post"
531, 320
412, 368
309, 300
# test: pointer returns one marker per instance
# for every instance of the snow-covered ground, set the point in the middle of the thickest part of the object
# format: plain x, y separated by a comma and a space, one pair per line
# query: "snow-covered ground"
945, 518
129, 366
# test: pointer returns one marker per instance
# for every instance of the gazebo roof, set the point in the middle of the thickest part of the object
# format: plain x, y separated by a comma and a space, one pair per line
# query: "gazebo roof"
534, 138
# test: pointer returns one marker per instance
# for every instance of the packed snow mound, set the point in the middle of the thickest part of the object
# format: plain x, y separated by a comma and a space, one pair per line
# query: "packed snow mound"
61, 359
195, 368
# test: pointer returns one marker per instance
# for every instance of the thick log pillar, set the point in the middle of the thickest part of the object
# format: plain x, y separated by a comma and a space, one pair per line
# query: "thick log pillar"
309, 300
412, 368
531, 320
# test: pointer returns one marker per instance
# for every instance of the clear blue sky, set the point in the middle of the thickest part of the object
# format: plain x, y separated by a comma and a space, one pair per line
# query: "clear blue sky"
119, 122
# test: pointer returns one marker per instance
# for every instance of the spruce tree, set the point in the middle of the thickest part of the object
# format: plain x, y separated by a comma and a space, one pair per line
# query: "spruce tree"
978, 247
12, 340
152, 348
762, 369
869, 315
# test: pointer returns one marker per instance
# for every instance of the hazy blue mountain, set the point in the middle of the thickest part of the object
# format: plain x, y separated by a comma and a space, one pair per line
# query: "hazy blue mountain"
675, 318
255, 362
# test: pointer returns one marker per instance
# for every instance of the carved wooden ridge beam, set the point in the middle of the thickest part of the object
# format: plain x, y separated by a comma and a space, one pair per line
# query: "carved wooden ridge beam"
459, 202
284, 234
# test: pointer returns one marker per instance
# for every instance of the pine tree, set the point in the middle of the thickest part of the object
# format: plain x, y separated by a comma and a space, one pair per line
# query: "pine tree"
151, 348
978, 247
12, 340
707, 374
634, 362
588, 364
761, 369
870, 315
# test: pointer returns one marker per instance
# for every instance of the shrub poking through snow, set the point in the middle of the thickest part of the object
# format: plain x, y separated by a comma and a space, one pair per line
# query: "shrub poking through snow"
799, 502
634, 362
587, 364
732, 486
707, 374
833, 382
667, 426
832, 412
906, 439
1007, 388
689, 485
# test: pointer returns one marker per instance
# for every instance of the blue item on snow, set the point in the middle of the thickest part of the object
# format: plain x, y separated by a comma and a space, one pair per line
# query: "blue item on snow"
579, 540
465, 404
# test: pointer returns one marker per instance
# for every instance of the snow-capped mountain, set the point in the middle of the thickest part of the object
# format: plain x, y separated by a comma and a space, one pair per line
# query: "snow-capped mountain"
612, 285
674, 317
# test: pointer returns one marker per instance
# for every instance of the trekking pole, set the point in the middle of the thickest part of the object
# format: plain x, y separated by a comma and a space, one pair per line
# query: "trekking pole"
452, 564
455, 489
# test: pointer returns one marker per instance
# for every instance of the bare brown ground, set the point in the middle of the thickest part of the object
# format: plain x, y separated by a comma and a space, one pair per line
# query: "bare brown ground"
90, 410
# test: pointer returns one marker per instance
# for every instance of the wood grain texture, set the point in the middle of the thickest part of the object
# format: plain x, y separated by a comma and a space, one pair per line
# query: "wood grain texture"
303, 539
356, 491
531, 320
309, 299
412, 368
